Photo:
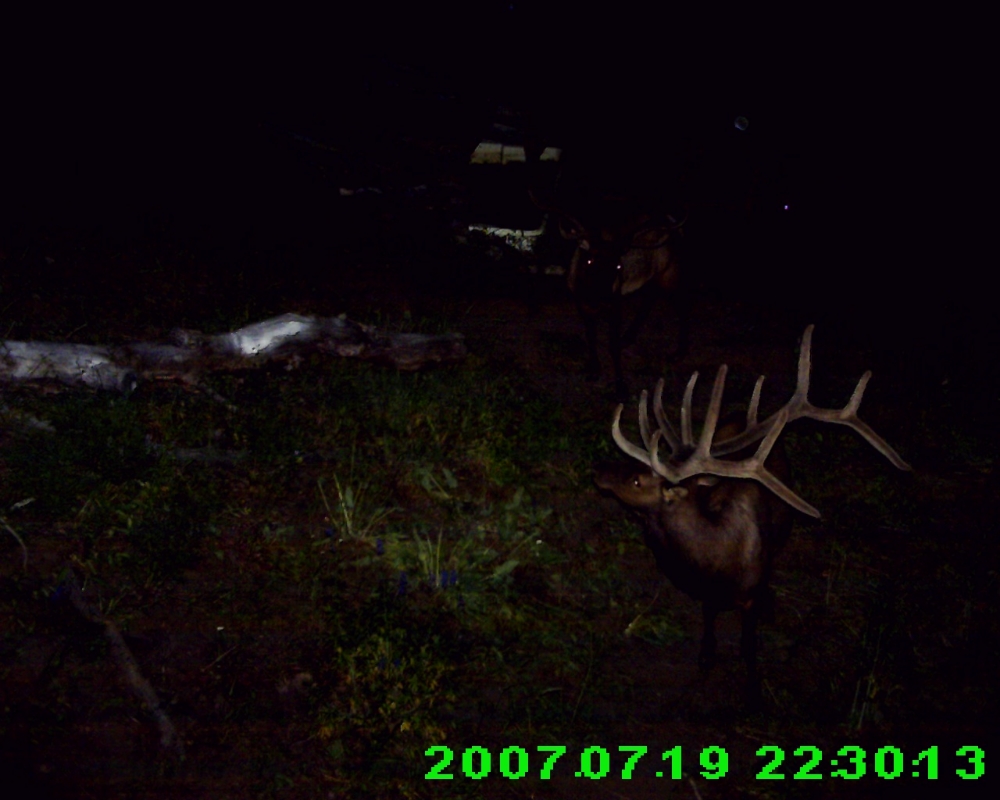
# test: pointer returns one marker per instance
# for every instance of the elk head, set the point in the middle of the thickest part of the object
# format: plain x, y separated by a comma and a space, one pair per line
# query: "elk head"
616, 260
715, 524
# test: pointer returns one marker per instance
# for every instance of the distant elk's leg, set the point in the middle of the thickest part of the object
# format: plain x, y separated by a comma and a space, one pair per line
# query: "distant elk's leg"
707, 655
620, 247
679, 301
647, 298
589, 317
533, 150
748, 650
615, 338
765, 604
682, 302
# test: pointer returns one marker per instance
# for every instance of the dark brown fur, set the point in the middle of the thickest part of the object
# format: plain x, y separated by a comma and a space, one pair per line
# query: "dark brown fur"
608, 265
621, 250
715, 538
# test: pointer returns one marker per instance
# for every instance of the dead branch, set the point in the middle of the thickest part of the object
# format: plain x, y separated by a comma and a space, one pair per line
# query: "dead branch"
141, 688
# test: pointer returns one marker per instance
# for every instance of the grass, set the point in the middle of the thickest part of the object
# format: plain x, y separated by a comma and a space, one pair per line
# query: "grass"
410, 560
427, 525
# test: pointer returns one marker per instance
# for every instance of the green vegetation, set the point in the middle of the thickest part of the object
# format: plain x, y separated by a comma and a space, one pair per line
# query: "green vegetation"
374, 563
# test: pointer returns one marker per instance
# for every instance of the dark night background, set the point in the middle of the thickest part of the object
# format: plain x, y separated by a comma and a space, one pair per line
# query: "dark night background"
231, 135
870, 126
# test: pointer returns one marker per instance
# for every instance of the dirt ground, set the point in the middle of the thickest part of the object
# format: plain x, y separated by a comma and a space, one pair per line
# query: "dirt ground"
895, 571
922, 674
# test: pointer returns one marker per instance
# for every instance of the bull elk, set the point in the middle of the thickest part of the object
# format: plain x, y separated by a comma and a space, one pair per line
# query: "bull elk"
714, 524
631, 254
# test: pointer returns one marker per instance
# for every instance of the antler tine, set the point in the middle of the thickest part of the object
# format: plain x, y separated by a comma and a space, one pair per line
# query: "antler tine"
630, 449
881, 445
705, 458
649, 456
687, 439
753, 467
754, 403
798, 406
851, 409
668, 471
877, 442
805, 365
712, 415
644, 419
795, 405
848, 415
661, 419
769, 479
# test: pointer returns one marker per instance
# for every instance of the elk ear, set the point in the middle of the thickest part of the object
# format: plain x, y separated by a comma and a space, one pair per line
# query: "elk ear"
672, 493
651, 238
571, 229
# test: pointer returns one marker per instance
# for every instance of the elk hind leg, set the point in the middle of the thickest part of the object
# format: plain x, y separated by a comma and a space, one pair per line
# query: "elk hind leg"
615, 338
749, 615
593, 368
647, 298
706, 657
681, 301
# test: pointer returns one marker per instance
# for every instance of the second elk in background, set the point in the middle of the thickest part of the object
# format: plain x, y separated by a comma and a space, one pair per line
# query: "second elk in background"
620, 250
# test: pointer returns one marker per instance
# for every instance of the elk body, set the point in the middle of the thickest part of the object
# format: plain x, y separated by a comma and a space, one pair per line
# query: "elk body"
714, 524
714, 539
626, 253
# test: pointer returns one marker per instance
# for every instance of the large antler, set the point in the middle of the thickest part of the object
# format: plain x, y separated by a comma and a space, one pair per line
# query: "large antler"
703, 458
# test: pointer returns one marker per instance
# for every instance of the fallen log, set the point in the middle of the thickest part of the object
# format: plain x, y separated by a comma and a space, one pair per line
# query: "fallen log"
191, 353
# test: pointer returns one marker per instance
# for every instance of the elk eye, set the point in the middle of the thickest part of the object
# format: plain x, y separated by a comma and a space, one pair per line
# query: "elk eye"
636, 482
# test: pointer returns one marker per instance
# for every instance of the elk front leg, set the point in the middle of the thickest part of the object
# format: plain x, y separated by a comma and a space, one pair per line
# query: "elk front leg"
748, 651
589, 317
681, 301
615, 338
707, 655
647, 298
